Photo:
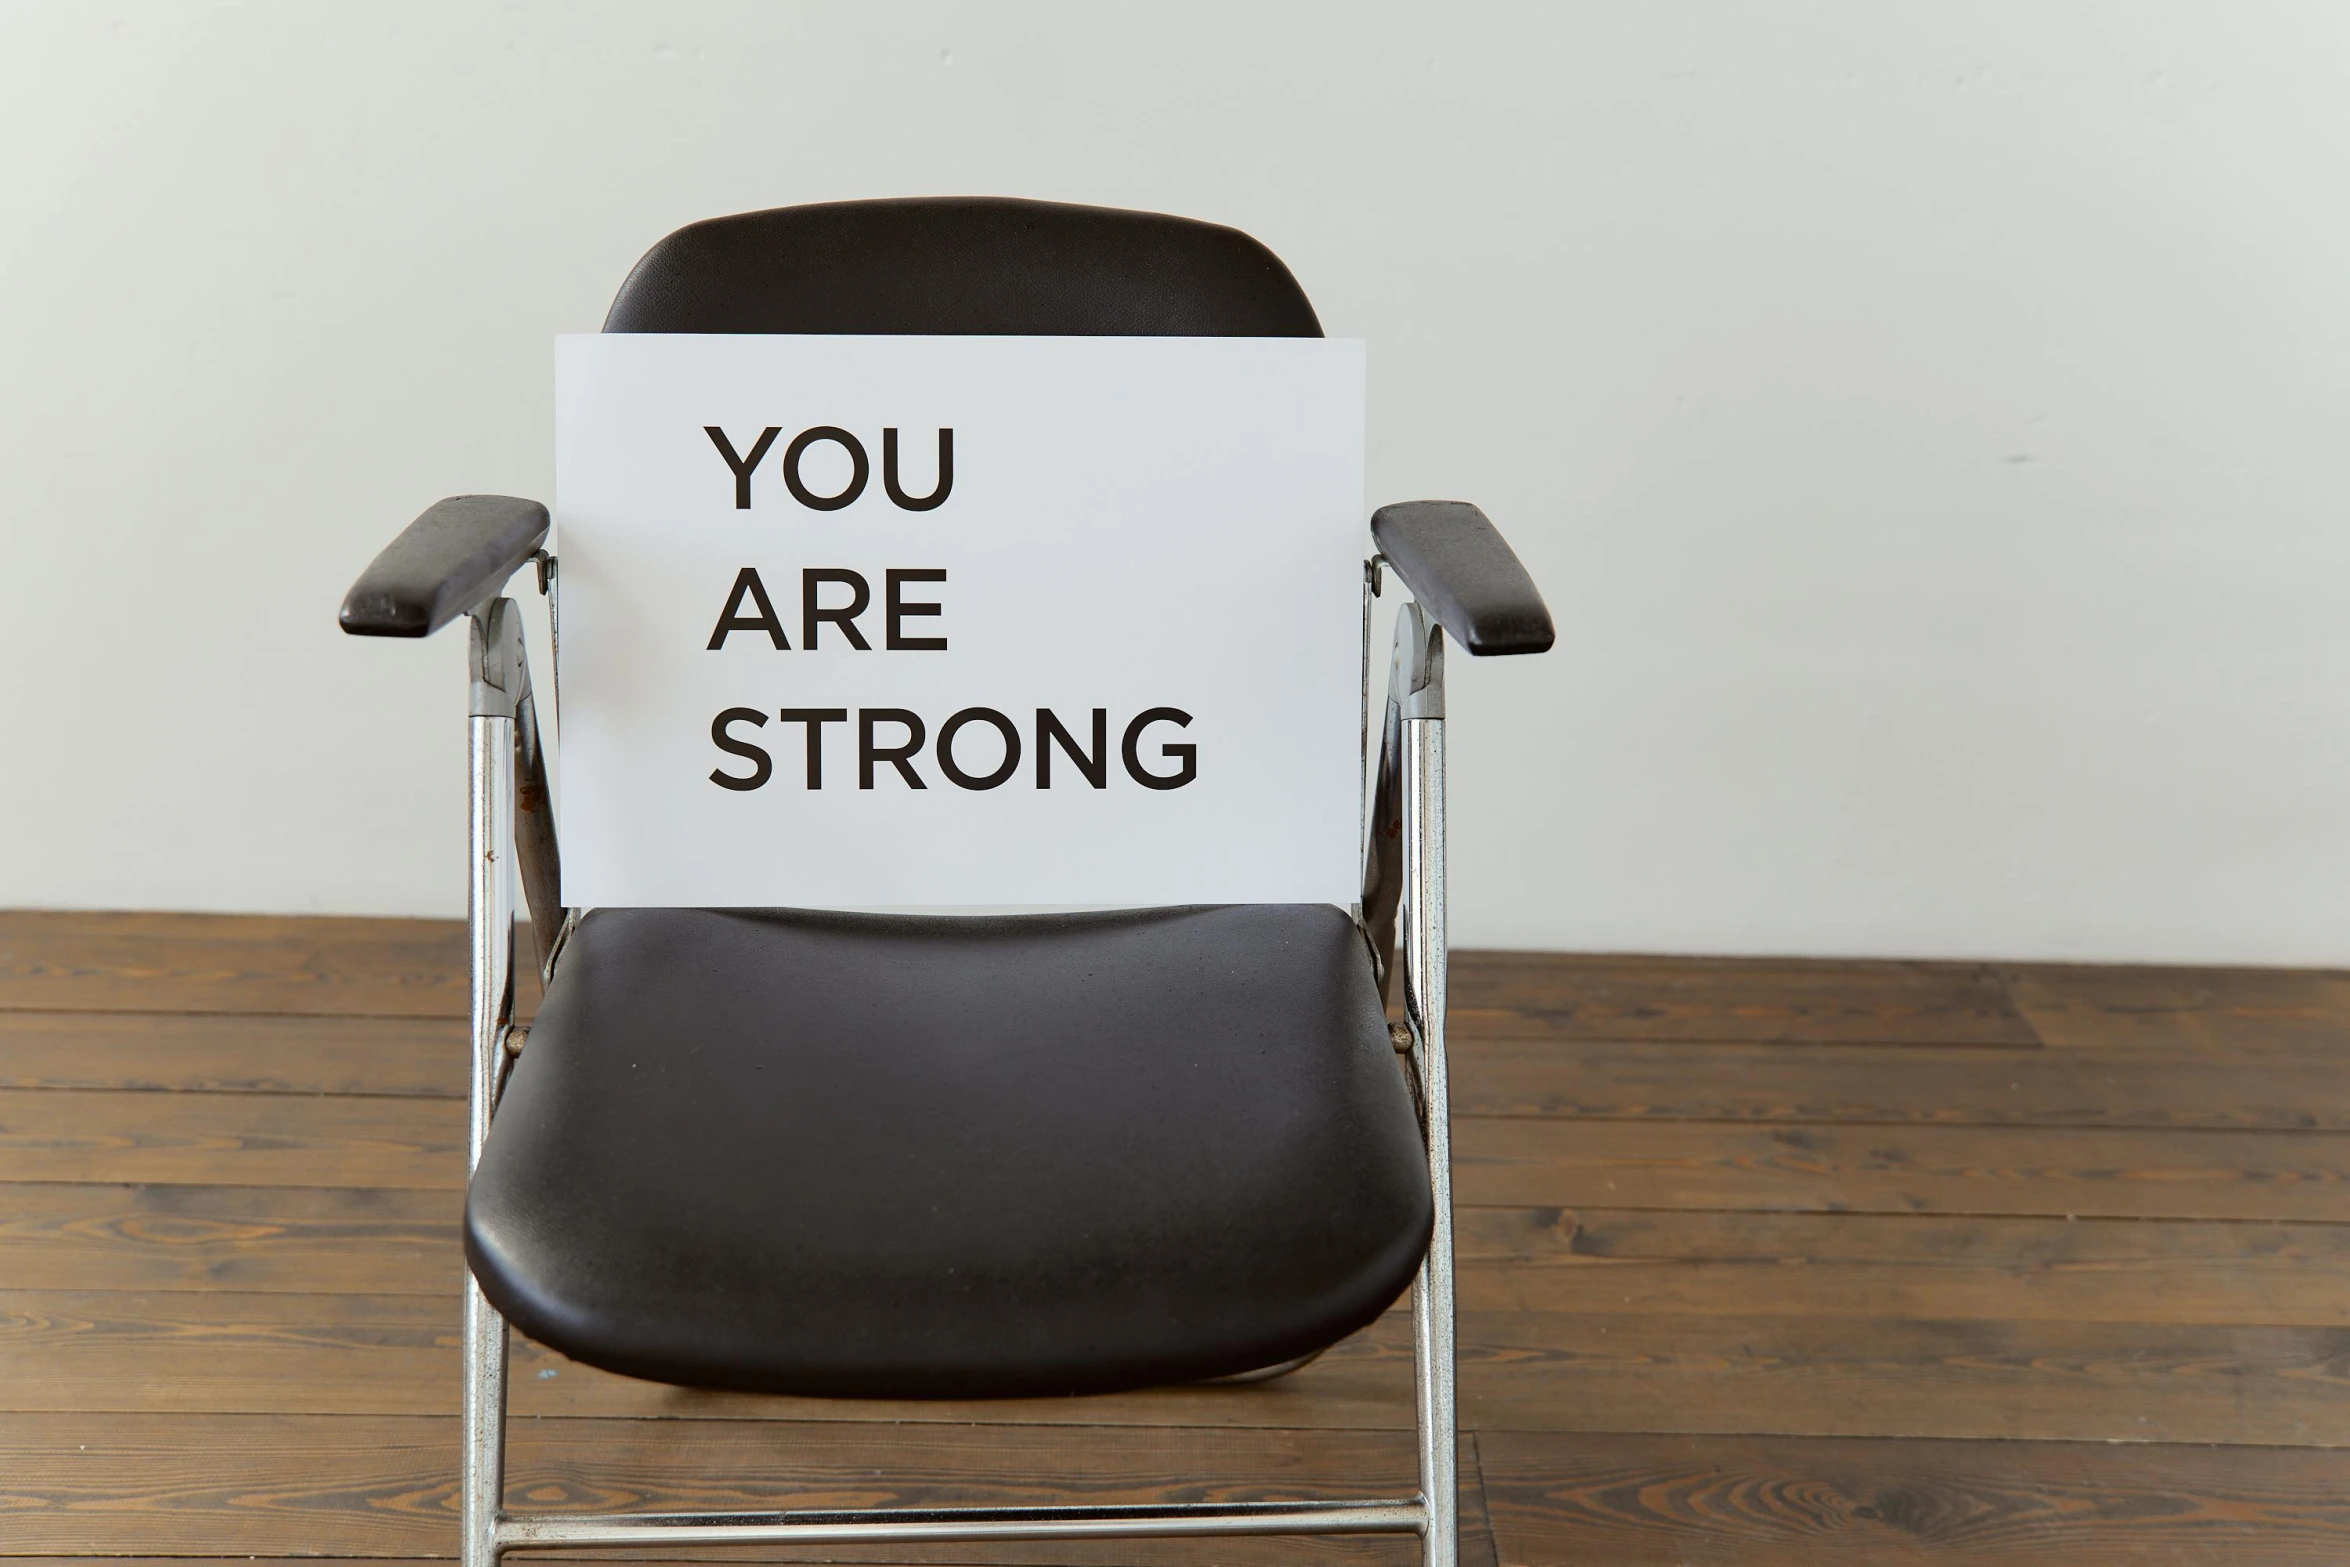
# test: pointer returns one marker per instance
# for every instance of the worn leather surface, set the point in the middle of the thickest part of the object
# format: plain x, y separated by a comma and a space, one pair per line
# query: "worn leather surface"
460, 551
959, 266
1459, 566
903, 1156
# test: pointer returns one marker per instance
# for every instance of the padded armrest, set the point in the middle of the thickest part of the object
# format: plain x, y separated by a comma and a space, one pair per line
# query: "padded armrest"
1461, 569
448, 560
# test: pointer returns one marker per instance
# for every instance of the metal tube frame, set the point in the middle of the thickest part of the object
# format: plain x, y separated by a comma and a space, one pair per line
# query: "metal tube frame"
498, 685
1416, 697
504, 729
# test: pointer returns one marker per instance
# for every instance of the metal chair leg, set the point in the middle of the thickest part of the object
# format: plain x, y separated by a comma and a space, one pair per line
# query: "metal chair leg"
1424, 1004
497, 683
484, 1479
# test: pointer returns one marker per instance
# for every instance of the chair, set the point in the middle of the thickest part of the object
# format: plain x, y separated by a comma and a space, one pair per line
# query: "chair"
949, 1156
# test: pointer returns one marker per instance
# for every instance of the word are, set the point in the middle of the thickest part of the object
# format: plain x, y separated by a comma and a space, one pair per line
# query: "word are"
860, 467
748, 608
903, 744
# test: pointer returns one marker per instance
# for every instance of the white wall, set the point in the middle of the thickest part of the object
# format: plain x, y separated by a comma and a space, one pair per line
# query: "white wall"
1931, 424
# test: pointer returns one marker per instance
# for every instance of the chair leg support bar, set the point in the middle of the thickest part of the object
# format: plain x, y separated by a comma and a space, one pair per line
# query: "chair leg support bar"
961, 1523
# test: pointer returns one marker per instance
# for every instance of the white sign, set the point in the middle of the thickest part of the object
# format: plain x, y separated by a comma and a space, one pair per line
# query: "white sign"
960, 620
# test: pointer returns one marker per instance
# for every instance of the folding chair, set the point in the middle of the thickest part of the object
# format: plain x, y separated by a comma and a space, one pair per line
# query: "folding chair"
954, 1156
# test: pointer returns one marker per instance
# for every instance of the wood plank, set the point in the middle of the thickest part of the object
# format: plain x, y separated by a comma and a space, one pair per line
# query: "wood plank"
1476, 1550
67, 1134
1644, 1371
1544, 995
73, 961
358, 1241
1712, 1501
187, 1352
217, 1352
70, 961
309, 1486
307, 1239
1395, 1551
2277, 1086
2215, 1009
2283, 1088
226, 1052
79, 961
1866, 1266
269, 1139
1504, 1163
2287, 1087
1816, 1376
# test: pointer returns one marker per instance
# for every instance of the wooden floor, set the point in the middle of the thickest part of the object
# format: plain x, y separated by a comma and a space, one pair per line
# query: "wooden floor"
1761, 1262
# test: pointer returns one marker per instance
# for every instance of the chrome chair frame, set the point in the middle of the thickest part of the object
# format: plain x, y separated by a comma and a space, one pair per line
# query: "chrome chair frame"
512, 838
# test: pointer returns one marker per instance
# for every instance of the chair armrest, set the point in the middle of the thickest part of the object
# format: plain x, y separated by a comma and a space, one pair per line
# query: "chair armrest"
458, 553
1458, 565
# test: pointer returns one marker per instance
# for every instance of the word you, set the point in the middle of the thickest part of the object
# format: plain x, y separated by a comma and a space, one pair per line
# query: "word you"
744, 464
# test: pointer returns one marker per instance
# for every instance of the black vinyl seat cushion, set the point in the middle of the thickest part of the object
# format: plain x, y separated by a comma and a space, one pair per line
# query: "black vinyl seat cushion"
931, 1157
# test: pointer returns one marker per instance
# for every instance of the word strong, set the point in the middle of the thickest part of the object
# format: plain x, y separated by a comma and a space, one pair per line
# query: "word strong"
894, 736
743, 465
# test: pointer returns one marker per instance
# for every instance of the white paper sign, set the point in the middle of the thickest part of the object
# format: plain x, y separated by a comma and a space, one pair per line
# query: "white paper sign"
895, 620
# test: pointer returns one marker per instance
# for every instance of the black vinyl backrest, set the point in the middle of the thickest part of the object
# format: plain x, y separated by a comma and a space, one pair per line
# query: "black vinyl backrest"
962, 266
